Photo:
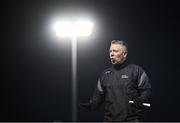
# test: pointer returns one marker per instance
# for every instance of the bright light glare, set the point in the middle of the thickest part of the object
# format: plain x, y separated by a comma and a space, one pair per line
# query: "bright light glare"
70, 29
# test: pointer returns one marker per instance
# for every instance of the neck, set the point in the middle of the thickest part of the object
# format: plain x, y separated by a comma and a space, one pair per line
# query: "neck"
121, 65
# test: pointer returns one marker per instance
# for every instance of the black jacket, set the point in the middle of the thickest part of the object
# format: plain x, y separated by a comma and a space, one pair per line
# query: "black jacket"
116, 87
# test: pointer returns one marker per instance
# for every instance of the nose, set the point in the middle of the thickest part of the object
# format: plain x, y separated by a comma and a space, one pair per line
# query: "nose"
111, 54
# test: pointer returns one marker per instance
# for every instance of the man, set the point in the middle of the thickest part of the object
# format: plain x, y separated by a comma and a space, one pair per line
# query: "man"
124, 88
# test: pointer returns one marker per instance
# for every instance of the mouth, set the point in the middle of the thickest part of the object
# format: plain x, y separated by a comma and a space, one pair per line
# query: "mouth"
113, 60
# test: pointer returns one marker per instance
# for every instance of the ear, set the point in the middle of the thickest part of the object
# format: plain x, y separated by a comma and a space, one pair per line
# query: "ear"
125, 54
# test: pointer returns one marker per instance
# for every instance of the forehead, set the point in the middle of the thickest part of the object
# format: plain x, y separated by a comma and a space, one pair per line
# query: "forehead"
116, 46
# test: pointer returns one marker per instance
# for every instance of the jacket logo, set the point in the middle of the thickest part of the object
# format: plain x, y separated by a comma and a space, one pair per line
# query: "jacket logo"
107, 72
124, 76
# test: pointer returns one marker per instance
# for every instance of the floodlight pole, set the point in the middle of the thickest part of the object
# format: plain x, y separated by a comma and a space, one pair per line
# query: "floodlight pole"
74, 77
66, 29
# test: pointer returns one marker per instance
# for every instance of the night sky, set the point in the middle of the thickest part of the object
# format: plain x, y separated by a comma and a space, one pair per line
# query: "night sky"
36, 68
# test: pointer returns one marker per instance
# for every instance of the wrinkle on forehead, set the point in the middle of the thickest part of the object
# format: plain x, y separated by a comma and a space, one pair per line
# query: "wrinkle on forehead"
117, 47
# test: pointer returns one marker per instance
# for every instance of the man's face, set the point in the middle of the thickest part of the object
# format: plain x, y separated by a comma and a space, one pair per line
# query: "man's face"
116, 53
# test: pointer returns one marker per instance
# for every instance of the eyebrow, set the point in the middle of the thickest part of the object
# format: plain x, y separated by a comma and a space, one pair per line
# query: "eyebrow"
114, 50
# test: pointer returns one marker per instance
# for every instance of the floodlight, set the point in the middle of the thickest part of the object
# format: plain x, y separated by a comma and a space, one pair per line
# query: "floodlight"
69, 29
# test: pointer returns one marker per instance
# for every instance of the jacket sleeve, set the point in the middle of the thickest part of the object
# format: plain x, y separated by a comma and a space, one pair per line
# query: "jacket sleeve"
98, 95
144, 86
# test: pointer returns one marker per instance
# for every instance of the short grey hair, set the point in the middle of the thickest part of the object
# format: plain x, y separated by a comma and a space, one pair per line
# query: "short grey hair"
122, 43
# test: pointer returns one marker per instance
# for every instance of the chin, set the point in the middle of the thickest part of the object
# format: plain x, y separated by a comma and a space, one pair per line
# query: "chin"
113, 63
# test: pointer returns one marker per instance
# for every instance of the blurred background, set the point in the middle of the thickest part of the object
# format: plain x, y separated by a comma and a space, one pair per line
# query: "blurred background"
36, 80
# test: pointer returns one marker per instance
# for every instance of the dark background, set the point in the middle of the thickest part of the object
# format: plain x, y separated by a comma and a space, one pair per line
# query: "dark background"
36, 70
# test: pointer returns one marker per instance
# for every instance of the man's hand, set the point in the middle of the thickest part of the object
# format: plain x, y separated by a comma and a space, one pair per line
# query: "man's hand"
86, 105
138, 103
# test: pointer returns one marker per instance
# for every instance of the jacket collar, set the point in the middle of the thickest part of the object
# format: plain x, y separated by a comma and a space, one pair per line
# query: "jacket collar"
120, 66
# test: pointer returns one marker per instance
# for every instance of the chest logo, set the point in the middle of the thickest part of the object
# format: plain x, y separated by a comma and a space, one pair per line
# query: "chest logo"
124, 76
107, 72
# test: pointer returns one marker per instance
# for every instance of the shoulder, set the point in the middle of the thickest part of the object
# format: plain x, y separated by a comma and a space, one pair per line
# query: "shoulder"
134, 65
136, 68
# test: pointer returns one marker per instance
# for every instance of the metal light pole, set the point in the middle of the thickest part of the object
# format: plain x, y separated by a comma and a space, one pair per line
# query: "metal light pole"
74, 78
